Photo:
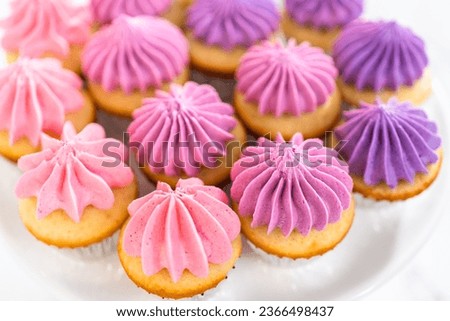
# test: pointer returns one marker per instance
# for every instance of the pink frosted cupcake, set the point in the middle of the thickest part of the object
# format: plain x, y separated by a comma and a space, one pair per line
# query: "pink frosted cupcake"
75, 192
38, 95
180, 243
47, 28
131, 58
187, 132
105, 11
294, 198
287, 88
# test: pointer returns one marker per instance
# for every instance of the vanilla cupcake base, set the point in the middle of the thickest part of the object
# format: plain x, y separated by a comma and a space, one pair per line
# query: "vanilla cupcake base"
417, 94
280, 262
210, 176
23, 146
214, 59
188, 285
404, 189
297, 246
313, 124
121, 104
96, 225
177, 13
71, 62
322, 38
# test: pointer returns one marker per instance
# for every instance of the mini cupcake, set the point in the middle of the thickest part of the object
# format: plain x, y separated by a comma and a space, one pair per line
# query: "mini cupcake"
287, 88
220, 32
38, 95
393, 150
75, 192
47, 28
131, 58
319, 21
187, 132
381, 59
294, 198
105, 11
180, 243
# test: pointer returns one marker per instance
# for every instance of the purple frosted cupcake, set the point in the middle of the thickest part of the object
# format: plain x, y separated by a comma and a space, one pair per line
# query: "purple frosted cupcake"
381, 60
394, 151
319, 21
221, 31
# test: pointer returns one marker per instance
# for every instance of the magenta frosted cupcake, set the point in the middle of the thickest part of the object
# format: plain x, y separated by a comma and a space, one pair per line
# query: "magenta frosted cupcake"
74, 194
180, 243
186, 132
220, 32
105, 11
294, 198
319, 21
131, 58
381, 60
38, 96
287, 88
47, 28
394, 151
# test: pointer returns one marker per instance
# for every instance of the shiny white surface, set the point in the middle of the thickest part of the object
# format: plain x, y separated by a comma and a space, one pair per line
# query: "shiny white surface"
384, 239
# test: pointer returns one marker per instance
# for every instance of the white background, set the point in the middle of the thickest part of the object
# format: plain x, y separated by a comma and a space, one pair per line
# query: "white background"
427, 276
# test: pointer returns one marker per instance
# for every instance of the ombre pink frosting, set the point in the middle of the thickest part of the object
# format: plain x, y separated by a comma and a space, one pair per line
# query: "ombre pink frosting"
297, 185
183, 129
105, 11
37, 27
182, 229
135, 53
35, 96
286, 78
74, 172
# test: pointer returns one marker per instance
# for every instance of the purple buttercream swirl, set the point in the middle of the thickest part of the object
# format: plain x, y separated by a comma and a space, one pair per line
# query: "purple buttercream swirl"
326, 14
300, 185
105, 11
135, 53
233, 23
388, 142
379, 55
286, 78
175, 129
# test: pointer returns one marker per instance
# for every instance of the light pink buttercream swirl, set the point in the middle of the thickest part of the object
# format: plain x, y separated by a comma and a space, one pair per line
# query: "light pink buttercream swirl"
297, 185
286, 78
37, 27
105, 11
183, 129
35, 96
74, 172
182, 229
135, 53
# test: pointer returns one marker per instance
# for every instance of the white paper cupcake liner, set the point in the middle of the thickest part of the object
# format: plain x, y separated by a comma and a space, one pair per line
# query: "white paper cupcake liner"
93, 252
282, 262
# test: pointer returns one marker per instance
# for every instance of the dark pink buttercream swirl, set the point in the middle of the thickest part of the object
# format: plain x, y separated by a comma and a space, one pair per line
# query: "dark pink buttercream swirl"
299, 185
178, 130
286, 78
